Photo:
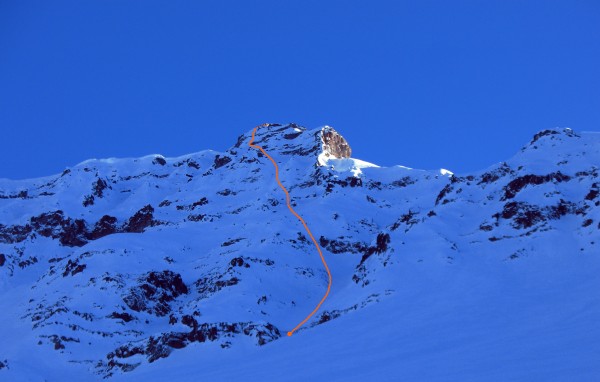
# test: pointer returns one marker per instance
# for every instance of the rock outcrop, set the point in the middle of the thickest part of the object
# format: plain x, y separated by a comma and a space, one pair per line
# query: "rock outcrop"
334, 145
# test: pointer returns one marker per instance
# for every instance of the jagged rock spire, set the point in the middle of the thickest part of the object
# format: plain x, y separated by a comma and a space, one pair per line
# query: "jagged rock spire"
334, 144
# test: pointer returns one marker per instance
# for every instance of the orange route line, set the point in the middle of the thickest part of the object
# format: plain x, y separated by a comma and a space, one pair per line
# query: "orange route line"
289, 205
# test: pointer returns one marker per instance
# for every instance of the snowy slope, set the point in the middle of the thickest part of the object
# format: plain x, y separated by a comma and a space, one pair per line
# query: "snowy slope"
193, 268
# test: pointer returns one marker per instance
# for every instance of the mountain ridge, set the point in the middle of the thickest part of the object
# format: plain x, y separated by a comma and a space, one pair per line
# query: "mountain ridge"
115, 266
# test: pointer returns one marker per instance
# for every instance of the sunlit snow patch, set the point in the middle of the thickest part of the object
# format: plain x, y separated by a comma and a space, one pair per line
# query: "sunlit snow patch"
348, 164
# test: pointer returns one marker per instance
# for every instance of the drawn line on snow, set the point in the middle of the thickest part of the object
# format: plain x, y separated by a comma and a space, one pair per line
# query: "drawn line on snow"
289, 205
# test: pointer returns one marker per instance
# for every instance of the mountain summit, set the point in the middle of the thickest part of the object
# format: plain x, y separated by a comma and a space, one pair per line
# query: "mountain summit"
192, 267
324, 143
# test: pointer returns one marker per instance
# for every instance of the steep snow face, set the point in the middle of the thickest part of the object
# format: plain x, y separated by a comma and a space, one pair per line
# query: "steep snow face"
158, 267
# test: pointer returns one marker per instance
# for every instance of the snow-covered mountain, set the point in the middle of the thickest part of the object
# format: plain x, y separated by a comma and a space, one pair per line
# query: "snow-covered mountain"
193, 268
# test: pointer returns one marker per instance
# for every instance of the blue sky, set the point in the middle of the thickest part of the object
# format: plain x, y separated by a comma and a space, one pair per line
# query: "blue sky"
425, 84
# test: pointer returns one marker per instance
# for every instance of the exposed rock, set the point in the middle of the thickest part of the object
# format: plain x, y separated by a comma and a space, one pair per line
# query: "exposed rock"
381, 245
190, 321
485, 227
561, 209
165, 203
190, 163
207, 286
155, 292
231, 242
73, 267
552, 134
221, 161
157, 347
199, 203
292, 135
159, 160
525, 215
74, 233
193, 206
196, 217
71, 233
340, 245
27, 262
327, 179
20, 195
59, 341
334, 144
241, 139
141, 220
42, 313
49, 224
226, 192
14, 234
404, 182
492, 176
408, 219
99, 187
443, 194
516, 185
239, 262
593, 194
328, 316
125, 317
107, 225
543, 133
88, 200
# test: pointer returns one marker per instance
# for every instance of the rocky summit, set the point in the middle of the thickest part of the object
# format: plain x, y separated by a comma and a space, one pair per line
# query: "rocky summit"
192, 268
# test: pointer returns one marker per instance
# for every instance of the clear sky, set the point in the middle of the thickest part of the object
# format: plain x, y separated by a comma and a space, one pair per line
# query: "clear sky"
425, 84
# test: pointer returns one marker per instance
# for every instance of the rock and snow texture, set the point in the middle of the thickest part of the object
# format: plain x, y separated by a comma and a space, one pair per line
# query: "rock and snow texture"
334, 146
192, 268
